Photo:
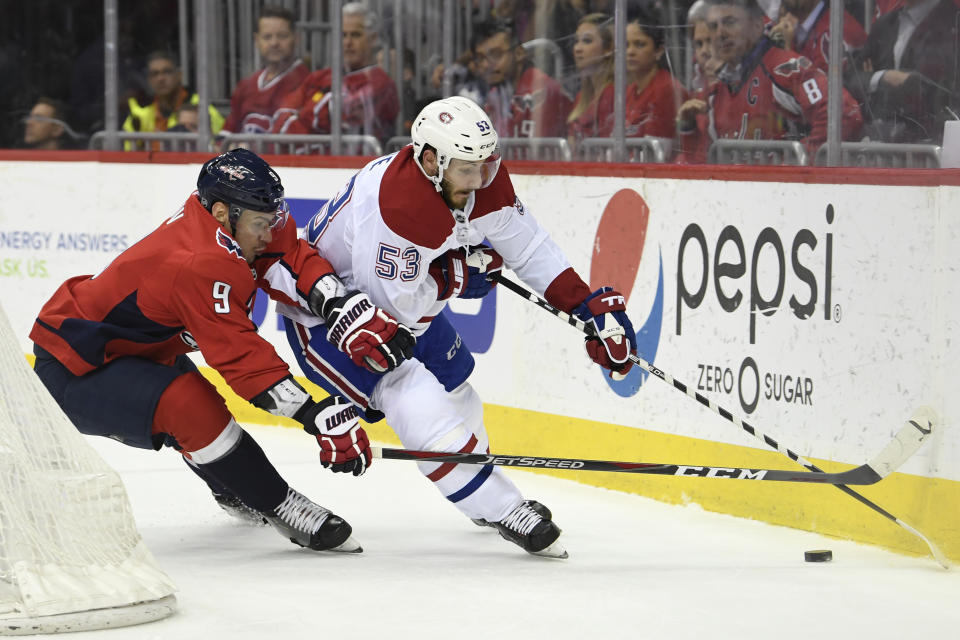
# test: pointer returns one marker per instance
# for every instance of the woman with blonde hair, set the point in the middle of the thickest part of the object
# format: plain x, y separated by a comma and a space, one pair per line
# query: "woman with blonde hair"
592, 113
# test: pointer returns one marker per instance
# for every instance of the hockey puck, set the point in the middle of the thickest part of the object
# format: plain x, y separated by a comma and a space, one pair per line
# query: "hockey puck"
819, 555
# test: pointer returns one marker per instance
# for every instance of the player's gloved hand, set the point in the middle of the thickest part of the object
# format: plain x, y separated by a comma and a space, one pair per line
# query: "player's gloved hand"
344, 446
369, 335
464, 273
614, 339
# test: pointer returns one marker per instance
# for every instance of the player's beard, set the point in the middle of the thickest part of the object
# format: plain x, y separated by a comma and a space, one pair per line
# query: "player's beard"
453, 200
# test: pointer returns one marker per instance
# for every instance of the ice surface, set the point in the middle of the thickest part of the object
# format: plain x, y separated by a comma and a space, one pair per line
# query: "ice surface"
637, 568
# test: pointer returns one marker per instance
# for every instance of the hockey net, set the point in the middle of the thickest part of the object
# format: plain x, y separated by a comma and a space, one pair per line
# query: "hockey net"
71, 558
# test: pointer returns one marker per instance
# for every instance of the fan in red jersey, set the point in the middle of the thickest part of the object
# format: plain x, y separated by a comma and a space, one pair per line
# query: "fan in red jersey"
258, 96
762, 92
522, 101
369, 104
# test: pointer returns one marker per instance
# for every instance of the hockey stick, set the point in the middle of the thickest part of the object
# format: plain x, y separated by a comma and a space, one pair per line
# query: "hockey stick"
903, 445
926, 416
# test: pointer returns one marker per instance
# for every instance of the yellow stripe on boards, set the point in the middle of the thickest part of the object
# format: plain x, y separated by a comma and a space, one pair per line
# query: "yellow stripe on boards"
929, 504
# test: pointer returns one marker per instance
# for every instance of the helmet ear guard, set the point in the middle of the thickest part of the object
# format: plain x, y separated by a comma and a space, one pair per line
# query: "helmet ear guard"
456, 128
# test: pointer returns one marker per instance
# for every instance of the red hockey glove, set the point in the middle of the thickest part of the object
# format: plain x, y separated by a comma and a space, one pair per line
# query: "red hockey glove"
463, 273
369, 335
344, 446
614, 339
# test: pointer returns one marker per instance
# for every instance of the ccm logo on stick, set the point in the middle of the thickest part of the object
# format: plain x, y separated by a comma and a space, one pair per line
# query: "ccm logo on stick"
718, 472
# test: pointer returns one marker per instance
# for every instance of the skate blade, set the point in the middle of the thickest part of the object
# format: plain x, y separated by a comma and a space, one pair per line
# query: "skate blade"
555, 550
350, 545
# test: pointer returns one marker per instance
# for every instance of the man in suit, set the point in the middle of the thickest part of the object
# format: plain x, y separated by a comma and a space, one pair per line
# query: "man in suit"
906, 74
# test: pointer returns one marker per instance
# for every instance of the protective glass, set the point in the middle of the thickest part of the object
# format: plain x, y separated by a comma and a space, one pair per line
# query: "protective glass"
489, 168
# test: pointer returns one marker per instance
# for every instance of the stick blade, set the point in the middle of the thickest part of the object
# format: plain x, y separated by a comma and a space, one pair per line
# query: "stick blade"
907, 441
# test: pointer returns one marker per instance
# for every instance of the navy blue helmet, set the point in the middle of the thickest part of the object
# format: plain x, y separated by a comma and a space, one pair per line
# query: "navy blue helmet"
242, 180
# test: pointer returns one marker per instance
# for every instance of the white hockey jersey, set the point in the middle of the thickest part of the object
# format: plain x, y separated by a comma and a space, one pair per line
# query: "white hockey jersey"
382, 231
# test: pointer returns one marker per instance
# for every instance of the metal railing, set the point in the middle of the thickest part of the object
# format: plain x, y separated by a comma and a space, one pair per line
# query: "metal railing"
396, 143
757, 152
149, 141
645, 149
319, 144
884, 154
273, 143
538, 149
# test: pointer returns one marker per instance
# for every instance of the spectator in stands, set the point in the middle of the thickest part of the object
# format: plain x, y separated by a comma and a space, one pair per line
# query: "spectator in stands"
652, 93
408, 96
906, 75
369, 102
45, 127
186, 118
169, 94
258, 96
521, 100
592, 113
187, 122
705, 64
763, 92
804, 27
464, 81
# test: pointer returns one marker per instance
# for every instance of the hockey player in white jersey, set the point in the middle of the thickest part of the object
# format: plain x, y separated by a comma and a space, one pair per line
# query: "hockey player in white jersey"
407, 230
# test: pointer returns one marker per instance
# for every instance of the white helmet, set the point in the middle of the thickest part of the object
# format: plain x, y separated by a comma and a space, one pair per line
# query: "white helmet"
456, 127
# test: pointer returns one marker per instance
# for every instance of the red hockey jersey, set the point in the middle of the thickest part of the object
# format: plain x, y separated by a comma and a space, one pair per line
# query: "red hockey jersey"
537, 107
183, 287
773, 95
815, 44
370, 104
255, 100
653, 111
597, 120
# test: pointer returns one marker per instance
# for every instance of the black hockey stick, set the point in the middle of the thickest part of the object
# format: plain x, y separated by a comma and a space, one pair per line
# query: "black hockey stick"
903, 445
926, 415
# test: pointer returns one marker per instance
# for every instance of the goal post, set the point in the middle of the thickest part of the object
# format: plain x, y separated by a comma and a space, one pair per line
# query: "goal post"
71, 558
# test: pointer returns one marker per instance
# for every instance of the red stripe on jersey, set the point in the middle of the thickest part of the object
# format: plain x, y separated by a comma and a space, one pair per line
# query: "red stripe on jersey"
413, 209
498, 195
447, 467
410, 205
327, 371
567, 290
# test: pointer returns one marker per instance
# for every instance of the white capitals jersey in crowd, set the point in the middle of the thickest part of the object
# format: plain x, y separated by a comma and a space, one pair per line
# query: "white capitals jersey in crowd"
382, 231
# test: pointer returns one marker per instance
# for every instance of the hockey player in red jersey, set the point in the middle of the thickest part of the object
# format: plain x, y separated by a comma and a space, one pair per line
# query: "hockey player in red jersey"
258, 96
111, 347
762, 92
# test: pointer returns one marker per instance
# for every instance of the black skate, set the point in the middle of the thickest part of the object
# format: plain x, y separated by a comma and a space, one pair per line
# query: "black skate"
526, 527
533, 504
239, 510
307, 524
